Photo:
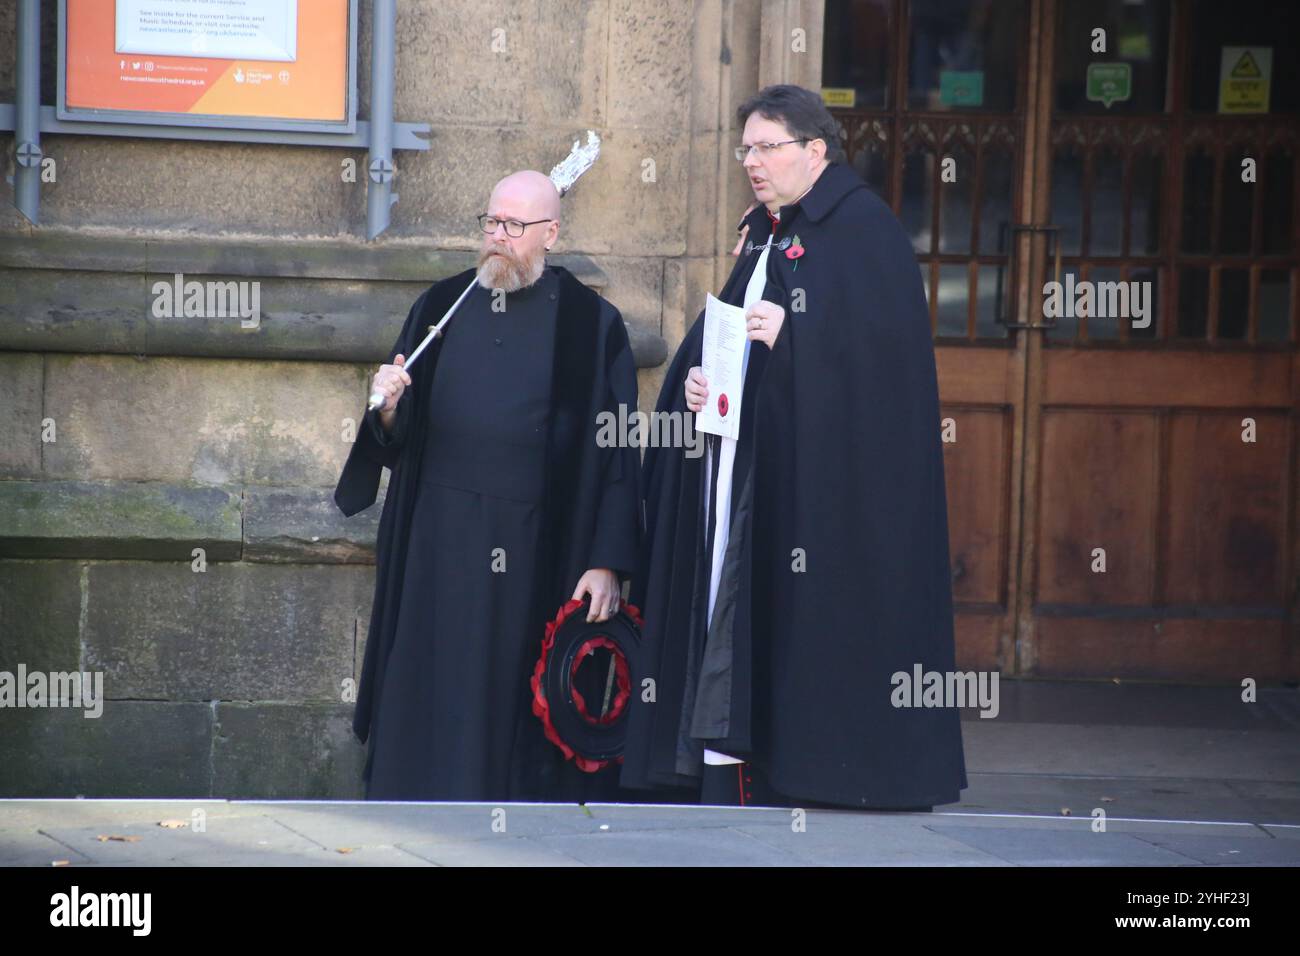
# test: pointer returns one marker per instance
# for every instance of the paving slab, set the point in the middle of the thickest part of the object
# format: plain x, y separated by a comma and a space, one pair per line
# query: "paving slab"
500, 851
668, 847
1112, 750
1024, 846
1230, 851
835, 839
32, 848
1188, 798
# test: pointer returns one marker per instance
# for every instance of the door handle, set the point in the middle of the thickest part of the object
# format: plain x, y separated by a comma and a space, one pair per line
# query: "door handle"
1053, 233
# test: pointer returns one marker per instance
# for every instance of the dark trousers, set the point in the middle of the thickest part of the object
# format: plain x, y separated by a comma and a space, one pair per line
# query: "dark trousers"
745, 785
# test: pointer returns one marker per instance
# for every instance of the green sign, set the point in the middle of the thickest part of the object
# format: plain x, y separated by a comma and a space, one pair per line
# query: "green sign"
1109, 82
961, 88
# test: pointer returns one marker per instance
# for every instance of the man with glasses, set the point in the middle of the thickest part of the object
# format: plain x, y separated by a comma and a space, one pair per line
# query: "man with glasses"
792, 574
500, 507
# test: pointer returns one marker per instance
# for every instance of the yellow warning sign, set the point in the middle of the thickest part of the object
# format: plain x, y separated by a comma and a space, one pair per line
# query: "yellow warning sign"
839, 96
1244, 75
1245, 67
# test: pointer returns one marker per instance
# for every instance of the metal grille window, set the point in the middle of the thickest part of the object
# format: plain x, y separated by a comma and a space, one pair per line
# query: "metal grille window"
1145, 188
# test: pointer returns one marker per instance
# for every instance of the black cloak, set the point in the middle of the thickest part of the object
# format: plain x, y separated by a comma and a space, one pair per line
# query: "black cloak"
591, 505
839, 464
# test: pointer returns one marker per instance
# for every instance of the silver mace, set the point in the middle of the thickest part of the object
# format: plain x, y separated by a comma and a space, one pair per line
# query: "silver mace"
564, 175
377, 398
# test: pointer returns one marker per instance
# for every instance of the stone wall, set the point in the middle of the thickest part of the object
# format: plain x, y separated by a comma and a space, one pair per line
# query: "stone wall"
164, 482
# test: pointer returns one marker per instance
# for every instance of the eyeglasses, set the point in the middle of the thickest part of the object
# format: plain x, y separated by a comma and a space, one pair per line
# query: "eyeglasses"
765, 149
514, 228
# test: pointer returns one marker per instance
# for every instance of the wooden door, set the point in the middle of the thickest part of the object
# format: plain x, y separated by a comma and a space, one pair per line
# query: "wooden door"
1122, 491
1165, 448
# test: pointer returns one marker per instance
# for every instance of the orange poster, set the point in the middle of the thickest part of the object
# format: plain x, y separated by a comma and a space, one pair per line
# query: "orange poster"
165, 56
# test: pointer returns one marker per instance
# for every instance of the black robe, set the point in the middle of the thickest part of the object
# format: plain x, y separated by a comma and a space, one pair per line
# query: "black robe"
590, 515
839, 456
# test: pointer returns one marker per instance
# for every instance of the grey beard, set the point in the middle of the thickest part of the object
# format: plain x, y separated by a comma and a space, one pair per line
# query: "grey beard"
510, 276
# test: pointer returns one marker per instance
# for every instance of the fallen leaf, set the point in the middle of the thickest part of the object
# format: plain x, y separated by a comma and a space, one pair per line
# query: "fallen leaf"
58, 863
173, 824
123, 839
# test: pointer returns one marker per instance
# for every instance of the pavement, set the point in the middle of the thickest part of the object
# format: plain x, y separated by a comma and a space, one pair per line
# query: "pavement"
1067, 774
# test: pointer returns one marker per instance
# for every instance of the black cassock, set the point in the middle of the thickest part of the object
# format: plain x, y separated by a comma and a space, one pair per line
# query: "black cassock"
836, 574
493, 459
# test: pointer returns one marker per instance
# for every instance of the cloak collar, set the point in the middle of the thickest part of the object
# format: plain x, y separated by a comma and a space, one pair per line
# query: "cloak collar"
836, 181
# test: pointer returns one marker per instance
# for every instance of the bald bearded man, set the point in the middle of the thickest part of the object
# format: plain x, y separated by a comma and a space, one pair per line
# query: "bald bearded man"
500, 507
